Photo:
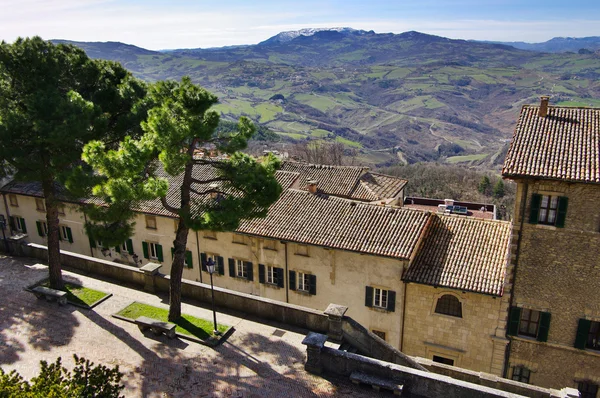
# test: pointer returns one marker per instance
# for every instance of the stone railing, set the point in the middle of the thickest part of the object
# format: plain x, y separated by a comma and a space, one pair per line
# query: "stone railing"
321, 359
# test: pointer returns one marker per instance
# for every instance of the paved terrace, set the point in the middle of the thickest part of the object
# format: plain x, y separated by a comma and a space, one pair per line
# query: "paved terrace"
258, 360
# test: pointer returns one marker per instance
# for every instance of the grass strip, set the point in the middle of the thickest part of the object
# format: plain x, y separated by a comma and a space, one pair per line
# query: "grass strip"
80, 295
186, 324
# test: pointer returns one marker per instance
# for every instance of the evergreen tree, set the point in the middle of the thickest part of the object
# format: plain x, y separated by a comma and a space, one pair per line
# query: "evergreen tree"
484, 185
178, 123
499, 189
54, 99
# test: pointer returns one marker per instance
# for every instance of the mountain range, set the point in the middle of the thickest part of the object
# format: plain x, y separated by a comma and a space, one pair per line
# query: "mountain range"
393, 97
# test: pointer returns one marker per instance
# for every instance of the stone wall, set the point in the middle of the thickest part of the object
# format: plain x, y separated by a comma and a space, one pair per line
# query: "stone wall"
558, 271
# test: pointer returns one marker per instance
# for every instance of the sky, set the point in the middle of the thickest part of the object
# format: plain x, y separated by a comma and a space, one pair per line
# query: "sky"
158, 24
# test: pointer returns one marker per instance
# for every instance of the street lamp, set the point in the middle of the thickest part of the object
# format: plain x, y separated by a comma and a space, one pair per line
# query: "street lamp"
210, 267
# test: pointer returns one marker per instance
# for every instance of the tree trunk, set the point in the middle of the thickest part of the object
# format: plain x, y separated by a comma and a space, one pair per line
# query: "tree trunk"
54, 266
180, 242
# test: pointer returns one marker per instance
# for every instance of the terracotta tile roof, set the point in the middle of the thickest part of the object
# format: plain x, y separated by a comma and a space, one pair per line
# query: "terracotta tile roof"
564, 145
354, 182
462, 253
329, 221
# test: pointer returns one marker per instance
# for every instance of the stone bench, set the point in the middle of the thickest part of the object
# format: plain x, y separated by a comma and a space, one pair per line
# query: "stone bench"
50, 294
157, 327
376, 382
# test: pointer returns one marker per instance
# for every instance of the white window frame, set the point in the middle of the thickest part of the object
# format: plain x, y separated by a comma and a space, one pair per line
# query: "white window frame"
272, 275
123, 248
44, 225
380, 298
17, 222
63, 232
152, 253
303, 282
39, 204
240, 269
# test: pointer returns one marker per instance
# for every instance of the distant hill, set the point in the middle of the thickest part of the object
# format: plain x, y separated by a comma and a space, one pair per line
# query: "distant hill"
390, 97
111, 50
559, 44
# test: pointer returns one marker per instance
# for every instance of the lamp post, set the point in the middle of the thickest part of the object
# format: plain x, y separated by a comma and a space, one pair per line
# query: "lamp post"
210, 267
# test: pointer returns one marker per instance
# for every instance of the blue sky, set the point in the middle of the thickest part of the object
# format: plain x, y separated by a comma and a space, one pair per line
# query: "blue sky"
157, 24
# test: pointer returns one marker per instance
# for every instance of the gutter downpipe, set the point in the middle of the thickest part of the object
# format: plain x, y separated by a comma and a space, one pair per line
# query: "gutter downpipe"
199, 257
85, 220
7, 223
287, 274
512, 295
403, 317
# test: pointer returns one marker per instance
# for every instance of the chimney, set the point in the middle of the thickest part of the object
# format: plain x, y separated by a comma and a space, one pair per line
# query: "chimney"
312, 186
544, 106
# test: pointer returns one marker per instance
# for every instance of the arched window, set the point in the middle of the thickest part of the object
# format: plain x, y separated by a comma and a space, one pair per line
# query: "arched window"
449, 305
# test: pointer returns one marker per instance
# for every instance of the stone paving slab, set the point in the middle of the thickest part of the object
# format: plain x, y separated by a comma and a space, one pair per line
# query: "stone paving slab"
258, 360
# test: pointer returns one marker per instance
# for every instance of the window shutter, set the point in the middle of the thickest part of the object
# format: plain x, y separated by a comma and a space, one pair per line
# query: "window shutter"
261, 273
38, 224
159, 253
118, 249
249, 270
23, 227
368, 296
173, 253
279, 272
231, 267
203, 262
221, 264
292, 280
562, 211
391, 306
544, 326
69, 235
536, 201
129, 245
514, 318
11, 222
582, 333
189, 259
312, 289
145, 249
92, 242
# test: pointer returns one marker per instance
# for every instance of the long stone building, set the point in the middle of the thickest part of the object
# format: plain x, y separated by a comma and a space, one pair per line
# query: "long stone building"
430, 284
554, 323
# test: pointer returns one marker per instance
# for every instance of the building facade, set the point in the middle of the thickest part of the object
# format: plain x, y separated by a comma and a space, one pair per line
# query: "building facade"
429, 284
554, 324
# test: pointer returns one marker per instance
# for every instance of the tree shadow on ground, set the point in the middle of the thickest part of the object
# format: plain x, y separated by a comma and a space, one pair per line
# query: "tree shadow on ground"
26, 320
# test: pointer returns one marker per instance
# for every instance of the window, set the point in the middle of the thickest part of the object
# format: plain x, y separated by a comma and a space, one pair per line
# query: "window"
270, 275
151, 222
39, 204
65, 233
123, 248
210, 235
188, 259
153, 251
61, 208
13, 200
530, 323
449, 305
587, 389
42, 228
304, 282
239, 239
269, 244
445, 361
99, 244
302, 250
241, 269
521, 373
530, 320
380, 298
18, 224
218, 260
548, 210
593, 340
379, 334
588, 335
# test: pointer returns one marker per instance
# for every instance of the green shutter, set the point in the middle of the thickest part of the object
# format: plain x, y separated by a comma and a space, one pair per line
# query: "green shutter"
312, 289
544, 326
249, 270
231, 267
368, 296
118, 249
292, 280
391, 305
534, 212
92, 242
145, 249
514, 318
261, 273
129, 245
172, 253
38, 224
159, 253
562, 211
69, 235
189, 259
279, 272
203, 262
221, 264
583, 330
23, 227
11, 222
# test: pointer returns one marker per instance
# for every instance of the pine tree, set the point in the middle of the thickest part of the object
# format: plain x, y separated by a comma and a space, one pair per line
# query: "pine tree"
499, 189
484, 186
